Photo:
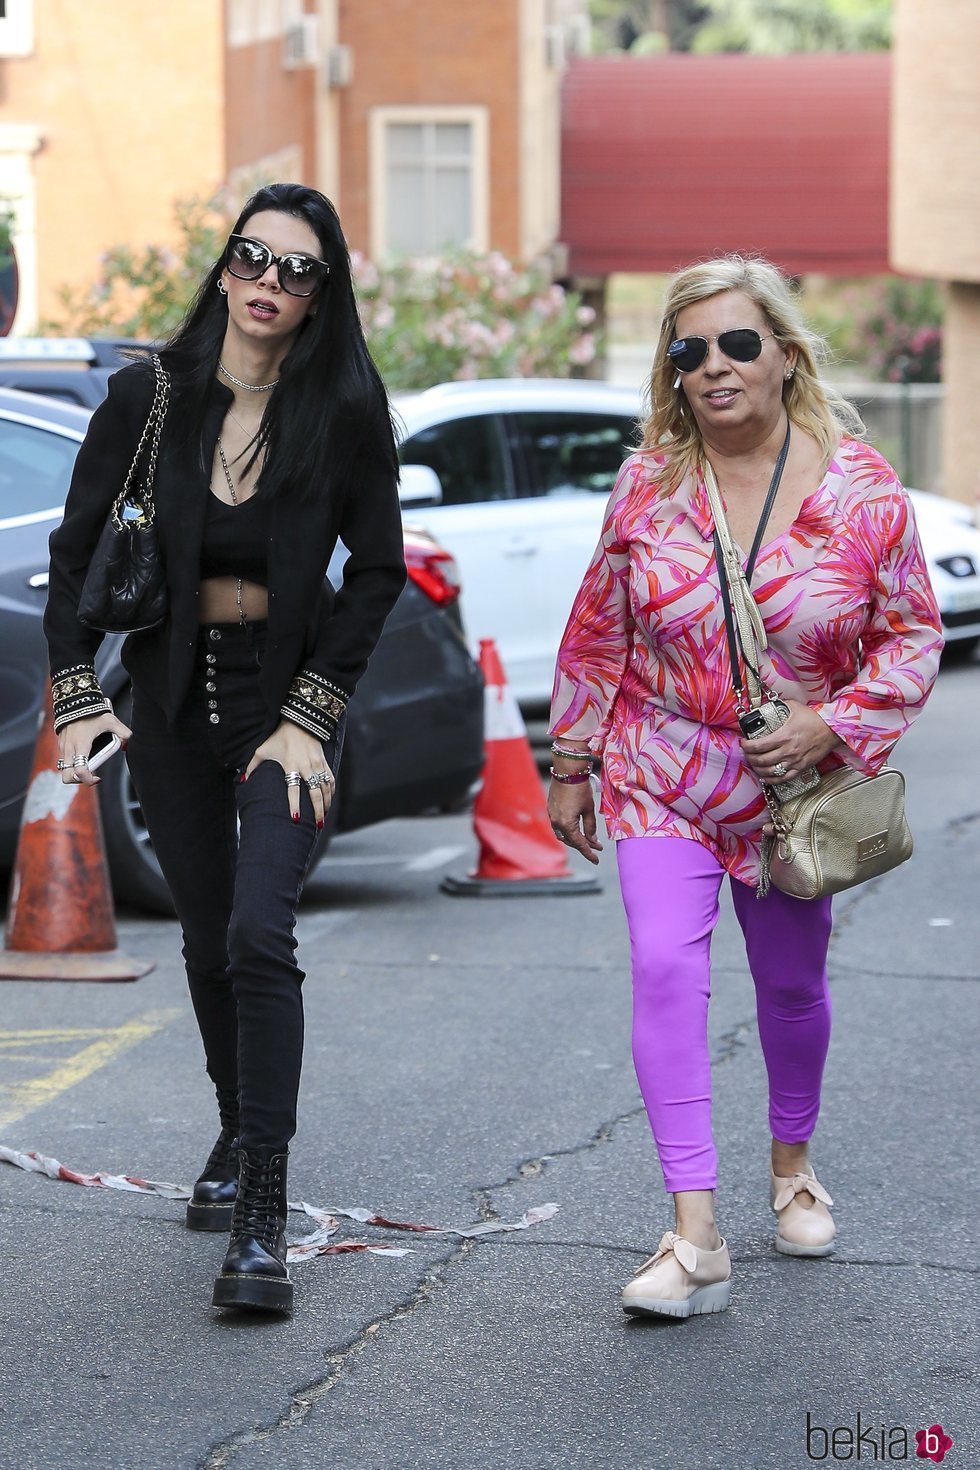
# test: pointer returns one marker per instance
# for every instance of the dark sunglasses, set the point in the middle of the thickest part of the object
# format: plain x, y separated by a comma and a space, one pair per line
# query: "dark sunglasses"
299, 275
741, 344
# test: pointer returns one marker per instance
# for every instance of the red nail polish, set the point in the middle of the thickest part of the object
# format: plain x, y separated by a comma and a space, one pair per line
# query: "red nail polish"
319, 826
295, 816
241, 778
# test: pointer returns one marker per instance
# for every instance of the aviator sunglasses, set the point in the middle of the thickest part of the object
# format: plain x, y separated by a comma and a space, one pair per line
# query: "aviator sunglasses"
299, 275
741, 344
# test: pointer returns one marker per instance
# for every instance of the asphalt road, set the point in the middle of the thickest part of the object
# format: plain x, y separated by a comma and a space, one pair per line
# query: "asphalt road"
468, 1060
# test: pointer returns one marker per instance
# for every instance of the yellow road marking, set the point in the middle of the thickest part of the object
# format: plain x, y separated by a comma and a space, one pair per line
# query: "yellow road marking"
19, 1098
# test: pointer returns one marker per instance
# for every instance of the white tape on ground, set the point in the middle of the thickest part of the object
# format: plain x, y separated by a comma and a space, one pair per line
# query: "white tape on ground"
325, 1220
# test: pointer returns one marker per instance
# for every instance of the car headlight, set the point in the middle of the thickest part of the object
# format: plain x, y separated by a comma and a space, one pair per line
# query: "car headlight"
958, 566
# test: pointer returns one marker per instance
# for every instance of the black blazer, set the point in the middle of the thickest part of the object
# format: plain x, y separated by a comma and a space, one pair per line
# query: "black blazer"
311, 632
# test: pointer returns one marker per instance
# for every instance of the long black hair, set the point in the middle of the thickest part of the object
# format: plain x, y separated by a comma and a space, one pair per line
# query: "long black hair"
330, 412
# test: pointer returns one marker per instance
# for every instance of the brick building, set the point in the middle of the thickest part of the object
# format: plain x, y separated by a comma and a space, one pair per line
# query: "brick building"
429, 122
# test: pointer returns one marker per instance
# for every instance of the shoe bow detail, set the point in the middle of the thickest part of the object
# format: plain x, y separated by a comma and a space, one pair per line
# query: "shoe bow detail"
684, 1251
799, 1184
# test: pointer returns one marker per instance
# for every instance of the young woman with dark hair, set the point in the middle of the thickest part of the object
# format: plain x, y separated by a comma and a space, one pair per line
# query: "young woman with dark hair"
277, 443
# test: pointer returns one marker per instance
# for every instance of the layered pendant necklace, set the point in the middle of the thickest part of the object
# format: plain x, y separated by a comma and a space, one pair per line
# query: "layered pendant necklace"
235, 502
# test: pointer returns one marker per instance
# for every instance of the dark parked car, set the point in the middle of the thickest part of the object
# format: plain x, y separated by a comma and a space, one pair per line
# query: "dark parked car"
415, 727
72, 369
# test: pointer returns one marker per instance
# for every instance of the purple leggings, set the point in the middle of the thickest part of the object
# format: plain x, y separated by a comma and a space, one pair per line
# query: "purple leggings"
670, 891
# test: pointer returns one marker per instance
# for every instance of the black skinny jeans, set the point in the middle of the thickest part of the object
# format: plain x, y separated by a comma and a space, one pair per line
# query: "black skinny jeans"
235, 862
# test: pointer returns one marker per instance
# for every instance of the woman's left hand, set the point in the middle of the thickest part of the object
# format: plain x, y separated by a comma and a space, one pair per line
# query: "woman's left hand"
295, 749
803, 741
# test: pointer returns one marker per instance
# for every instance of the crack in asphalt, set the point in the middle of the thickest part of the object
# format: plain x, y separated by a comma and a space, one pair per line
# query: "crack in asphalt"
739, 1258
857, 971
533, 1168
305, 1399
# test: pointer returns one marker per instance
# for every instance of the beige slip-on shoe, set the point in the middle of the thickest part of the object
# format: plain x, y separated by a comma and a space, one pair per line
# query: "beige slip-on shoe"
805, 1225
681, 1280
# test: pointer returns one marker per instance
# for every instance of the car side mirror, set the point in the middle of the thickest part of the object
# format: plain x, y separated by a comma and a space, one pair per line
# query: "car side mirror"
419, 486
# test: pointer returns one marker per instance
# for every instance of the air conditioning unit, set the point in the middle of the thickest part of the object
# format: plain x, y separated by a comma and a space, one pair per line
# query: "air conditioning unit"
554, 47
339, 69
300, 43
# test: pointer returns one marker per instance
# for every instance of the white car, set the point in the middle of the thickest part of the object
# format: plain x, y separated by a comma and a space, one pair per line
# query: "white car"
512, 476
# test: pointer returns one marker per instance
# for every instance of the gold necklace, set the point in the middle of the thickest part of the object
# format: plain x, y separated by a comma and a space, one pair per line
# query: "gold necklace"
234, 500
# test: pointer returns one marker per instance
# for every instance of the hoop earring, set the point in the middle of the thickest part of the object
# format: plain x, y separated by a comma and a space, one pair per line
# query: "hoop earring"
221, 286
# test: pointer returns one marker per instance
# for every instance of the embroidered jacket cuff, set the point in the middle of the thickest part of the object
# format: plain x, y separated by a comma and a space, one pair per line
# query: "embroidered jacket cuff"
77, 694
315, 704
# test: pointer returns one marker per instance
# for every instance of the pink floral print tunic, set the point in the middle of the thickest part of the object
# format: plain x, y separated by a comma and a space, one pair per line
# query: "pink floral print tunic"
643, 670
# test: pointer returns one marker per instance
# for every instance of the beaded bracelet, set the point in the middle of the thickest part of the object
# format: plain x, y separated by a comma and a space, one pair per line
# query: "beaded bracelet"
571, 778
573, 755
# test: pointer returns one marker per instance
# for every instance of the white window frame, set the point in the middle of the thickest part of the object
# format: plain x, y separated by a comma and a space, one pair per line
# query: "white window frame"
17, 29
479, 121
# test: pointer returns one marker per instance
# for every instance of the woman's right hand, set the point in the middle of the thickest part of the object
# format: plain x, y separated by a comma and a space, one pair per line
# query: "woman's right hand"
571, 810
78, 737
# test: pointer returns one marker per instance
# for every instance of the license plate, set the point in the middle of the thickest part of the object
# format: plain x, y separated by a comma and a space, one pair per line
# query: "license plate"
964, 599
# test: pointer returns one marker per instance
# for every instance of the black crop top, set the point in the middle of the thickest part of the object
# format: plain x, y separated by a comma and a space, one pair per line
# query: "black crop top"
236, 540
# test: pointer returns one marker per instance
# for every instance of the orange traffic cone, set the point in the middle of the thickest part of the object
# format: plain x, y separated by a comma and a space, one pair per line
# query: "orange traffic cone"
518, 850
60, 923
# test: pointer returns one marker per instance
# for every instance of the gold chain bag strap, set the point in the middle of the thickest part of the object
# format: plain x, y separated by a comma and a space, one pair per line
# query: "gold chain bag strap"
838, 830
125, 588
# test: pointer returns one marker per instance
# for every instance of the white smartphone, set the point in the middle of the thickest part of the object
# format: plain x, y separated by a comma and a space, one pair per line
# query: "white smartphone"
105, 746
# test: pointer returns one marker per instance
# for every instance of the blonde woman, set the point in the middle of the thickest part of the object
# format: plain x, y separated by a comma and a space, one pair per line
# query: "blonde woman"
644, 679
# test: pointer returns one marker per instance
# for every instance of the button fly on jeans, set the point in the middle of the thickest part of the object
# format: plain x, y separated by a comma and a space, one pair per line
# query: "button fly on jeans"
215, 635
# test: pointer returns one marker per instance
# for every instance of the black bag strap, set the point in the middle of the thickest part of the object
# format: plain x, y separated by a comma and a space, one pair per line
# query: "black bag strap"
140, 497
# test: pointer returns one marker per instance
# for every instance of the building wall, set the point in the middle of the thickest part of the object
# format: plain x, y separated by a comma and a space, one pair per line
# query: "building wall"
116, 145
270, 109
935, 193
540, 123
935, 177
327, 110
440, 53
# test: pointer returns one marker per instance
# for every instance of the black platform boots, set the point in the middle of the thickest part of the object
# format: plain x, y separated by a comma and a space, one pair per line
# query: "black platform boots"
213, 1199
253, 1273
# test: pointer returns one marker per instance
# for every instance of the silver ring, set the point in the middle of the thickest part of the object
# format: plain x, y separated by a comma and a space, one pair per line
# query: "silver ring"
79, 760
780, 768
294, 778
63, 765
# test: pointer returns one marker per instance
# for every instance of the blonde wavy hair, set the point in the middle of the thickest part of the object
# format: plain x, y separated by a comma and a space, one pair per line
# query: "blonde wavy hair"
811, 402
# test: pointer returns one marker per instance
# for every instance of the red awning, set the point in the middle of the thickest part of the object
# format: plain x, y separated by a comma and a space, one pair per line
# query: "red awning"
670, 159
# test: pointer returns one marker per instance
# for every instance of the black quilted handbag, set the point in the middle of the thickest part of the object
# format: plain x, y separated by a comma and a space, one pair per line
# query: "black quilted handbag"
125, 588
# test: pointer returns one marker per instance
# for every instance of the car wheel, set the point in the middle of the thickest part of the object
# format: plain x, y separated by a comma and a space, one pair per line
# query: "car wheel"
133, 867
